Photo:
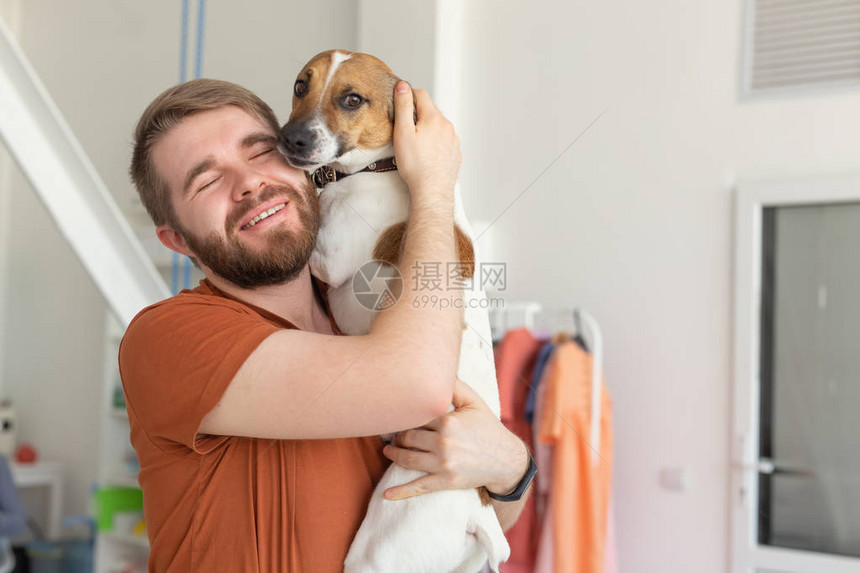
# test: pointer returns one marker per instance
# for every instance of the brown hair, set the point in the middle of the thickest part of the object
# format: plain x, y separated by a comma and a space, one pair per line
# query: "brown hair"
162, 115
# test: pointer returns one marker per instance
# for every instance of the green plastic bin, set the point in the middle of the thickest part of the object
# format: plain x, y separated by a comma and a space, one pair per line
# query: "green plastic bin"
109, 500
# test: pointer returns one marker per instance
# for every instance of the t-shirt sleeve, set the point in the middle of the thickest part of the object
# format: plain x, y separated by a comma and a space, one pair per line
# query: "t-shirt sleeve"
177, 359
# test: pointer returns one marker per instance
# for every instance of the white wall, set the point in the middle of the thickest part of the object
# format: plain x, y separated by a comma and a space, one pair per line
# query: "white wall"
54, 321
634, 221
264, 44
103, 62
10, 13
402, 34
6, 168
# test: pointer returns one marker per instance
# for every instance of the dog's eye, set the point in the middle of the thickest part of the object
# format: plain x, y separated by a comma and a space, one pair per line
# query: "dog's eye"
301, 88
352, 101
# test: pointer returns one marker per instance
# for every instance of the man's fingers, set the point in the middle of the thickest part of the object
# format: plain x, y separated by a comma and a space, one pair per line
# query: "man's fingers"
417, 439
420, 486
403, 108
410, 459
424, 106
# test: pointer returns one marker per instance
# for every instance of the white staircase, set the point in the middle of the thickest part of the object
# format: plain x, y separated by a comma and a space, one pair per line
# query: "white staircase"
59, 171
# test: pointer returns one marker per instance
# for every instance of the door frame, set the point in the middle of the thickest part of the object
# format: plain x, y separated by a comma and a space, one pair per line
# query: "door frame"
751, 197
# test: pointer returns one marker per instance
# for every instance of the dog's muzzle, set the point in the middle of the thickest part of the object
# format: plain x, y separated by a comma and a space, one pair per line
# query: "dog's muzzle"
298, 143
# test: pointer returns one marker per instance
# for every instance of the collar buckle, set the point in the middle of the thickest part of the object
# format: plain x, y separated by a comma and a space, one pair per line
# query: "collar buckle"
323, 176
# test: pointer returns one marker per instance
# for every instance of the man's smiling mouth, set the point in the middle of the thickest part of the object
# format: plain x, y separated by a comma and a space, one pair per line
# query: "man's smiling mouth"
263, 215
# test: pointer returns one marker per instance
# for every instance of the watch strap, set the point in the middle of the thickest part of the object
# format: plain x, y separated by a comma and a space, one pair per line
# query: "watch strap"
521, 488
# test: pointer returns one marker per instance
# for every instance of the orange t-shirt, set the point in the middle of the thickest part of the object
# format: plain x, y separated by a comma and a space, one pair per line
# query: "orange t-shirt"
222, 503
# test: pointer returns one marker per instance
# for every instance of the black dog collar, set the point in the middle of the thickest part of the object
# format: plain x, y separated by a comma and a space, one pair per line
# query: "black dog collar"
325, 174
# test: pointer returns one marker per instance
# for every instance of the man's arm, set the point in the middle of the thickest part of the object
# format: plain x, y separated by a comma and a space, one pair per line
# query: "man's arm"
509, 512
304, 385
468, 447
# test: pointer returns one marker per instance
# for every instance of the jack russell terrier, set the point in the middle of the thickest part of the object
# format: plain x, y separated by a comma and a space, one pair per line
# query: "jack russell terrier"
341, 129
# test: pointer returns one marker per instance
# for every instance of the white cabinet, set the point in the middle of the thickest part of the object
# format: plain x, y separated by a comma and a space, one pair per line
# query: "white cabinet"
48, 475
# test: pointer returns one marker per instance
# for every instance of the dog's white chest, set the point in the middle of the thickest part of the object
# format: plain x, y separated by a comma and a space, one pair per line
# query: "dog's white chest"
355, 211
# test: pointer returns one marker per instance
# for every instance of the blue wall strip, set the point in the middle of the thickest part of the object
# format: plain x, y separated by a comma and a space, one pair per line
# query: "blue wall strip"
198, 72
187, 277
174, 273
201, 27
183, 76
183, 43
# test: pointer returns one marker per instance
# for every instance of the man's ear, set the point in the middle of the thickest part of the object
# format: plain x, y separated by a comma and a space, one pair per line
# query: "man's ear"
173, 240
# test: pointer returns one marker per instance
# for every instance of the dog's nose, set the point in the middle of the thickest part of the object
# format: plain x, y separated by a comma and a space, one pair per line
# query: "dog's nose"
296, 137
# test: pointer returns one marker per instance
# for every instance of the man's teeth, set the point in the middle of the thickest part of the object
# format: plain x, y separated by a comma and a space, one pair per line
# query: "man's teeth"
263, 215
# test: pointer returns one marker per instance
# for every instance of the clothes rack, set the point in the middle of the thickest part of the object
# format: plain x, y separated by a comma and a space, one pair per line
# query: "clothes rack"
528, 315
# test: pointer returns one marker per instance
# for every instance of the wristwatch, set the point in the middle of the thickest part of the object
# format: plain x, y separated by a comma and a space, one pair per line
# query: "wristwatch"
521, 487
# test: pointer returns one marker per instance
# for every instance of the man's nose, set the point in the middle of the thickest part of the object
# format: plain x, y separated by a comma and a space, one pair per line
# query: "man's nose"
252, 184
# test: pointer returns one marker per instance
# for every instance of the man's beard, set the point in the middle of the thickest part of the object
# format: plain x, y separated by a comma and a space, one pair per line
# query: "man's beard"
287, 251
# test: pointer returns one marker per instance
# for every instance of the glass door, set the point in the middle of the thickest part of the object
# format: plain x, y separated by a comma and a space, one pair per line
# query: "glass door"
797, 466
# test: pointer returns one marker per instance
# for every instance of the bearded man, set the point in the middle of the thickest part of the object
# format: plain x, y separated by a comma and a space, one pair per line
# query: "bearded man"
255, 423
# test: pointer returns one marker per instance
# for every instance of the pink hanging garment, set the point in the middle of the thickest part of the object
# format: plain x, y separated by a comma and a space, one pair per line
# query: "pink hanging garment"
515, 358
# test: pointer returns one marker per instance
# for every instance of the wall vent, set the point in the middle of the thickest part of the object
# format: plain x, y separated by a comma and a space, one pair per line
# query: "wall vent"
796, 45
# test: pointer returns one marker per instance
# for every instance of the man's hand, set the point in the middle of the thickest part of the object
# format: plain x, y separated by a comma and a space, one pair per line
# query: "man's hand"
466, 448
427, 150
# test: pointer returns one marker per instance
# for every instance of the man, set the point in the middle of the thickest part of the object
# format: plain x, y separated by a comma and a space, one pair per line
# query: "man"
256, 424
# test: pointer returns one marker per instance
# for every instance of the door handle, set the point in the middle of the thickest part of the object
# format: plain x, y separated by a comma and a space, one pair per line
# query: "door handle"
770, 467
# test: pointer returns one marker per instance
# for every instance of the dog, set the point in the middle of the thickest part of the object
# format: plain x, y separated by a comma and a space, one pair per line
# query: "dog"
340, 130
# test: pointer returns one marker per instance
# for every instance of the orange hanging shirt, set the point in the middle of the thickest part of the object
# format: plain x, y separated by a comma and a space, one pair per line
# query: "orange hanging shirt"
221, 503
580, 486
